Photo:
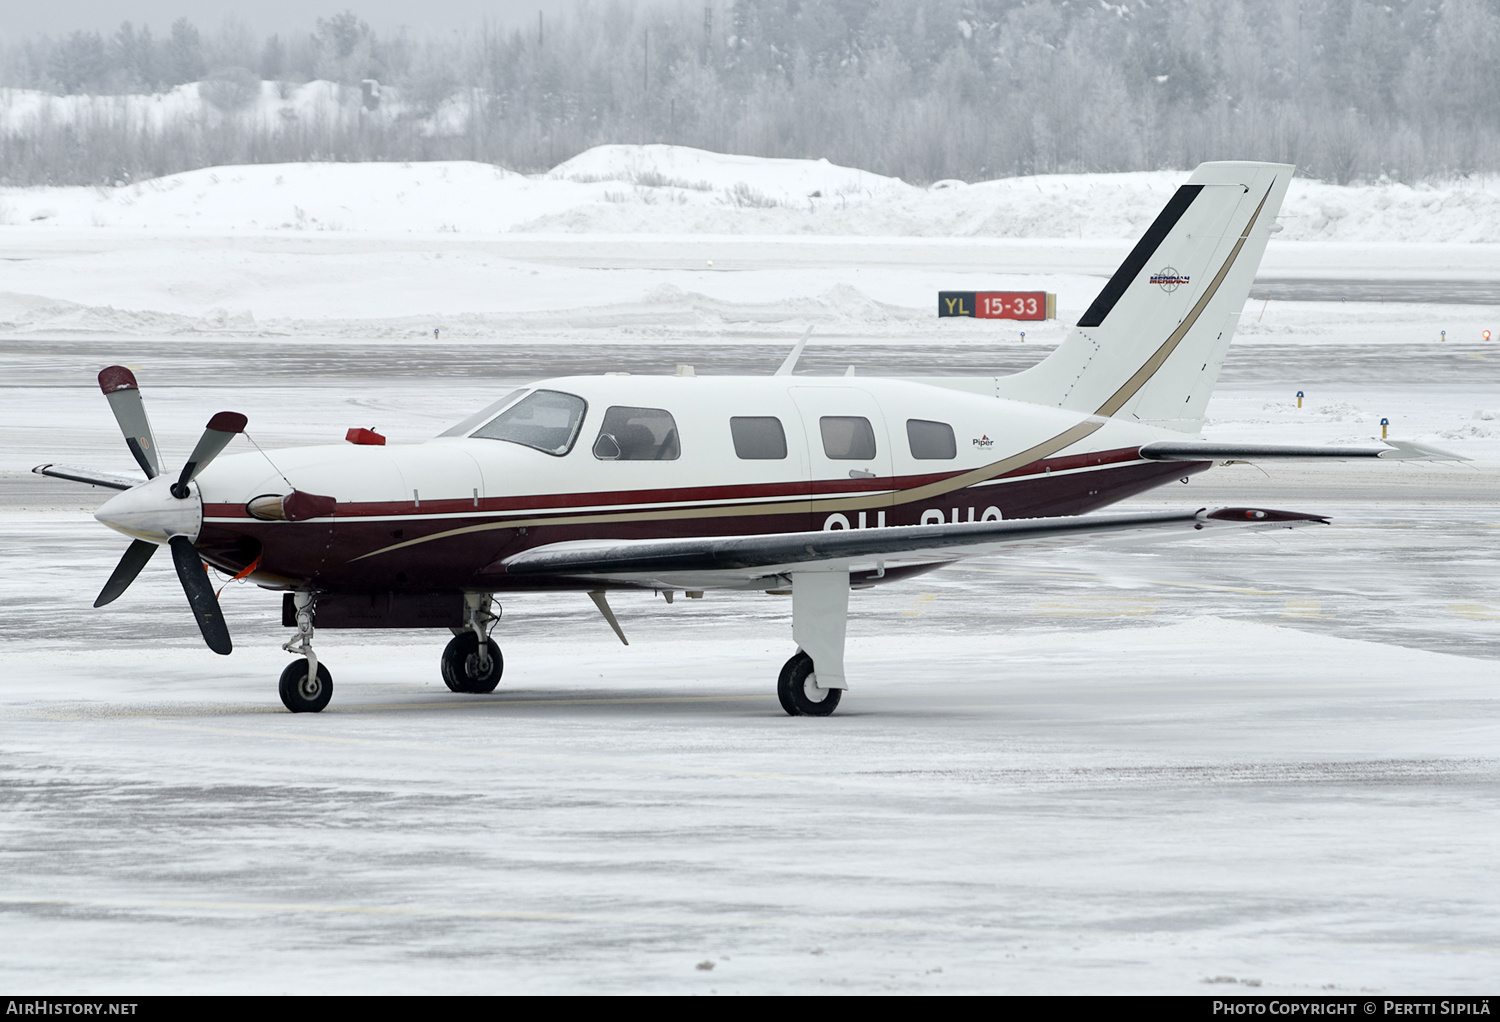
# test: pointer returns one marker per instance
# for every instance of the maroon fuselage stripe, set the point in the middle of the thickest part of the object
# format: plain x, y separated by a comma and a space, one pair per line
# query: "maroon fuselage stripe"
326, 551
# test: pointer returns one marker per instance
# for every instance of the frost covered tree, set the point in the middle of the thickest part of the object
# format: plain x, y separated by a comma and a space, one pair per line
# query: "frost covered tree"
923, 89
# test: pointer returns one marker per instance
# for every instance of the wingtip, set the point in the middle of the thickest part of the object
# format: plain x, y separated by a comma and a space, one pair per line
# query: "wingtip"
1262, 515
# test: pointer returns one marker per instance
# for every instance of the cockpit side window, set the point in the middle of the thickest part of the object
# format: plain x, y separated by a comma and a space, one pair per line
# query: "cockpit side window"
547, 420
637, 434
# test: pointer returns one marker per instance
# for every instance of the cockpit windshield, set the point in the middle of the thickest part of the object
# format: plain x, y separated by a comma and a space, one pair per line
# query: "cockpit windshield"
484, 414
547, 420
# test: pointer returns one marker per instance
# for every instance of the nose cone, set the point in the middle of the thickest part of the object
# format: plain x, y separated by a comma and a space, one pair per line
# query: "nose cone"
150, 512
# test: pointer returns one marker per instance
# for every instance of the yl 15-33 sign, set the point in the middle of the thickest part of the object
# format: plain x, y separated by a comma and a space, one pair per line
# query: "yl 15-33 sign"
998, 304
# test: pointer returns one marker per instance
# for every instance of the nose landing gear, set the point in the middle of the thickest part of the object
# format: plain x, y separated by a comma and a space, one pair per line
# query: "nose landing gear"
306, 686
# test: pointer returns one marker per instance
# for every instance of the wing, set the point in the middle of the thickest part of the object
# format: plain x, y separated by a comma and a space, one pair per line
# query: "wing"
87, 475
757, 561
1203, 450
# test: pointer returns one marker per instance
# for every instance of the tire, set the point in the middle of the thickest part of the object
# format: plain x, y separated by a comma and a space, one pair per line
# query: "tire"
792, 689
300, 697
461, 665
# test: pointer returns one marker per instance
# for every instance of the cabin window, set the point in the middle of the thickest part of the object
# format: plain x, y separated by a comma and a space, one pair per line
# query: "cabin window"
483, 415
637, 434
847, 437
758, 437
547, 420
931, 441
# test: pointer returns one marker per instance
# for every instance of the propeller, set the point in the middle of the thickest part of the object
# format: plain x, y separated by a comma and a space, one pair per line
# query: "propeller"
122, 391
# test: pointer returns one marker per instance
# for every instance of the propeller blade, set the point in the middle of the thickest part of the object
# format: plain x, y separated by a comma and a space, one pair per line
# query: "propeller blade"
221, 429
136, 556
200, 595
119, 386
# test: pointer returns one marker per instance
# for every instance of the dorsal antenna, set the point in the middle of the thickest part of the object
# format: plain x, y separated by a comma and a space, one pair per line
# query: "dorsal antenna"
791, 360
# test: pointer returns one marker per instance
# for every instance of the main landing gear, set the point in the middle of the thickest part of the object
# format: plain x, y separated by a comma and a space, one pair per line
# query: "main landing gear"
812, 681
472, 661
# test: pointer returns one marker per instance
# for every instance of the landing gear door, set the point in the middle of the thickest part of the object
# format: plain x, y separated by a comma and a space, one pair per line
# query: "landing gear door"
848, 456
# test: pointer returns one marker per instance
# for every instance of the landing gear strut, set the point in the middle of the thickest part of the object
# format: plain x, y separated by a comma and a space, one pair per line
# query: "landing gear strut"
472, 661
306, 686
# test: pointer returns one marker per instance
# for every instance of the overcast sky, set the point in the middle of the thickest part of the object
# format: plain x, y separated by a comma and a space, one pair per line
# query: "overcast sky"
27, 17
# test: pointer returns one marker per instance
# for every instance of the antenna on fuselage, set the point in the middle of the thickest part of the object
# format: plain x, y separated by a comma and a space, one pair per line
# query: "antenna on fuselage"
791, 360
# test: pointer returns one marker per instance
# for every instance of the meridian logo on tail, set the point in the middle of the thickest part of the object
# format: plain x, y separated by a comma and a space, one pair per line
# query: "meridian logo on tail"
1169, 279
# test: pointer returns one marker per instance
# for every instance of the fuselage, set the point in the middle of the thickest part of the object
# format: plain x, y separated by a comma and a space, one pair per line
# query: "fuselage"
627, 457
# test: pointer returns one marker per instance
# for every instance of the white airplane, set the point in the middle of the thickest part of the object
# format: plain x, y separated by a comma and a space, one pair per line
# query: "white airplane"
777, 483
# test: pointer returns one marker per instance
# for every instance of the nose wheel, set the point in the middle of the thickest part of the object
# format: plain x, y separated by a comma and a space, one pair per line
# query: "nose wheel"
302, 692
799, 691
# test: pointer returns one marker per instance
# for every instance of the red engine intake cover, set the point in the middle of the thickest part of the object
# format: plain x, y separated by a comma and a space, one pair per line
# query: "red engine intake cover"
365, 436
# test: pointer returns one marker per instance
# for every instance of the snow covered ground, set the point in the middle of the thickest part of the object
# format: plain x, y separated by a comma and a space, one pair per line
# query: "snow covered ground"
1257, 764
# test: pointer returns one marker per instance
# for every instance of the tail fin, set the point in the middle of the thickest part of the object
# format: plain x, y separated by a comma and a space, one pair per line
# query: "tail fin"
1151, 346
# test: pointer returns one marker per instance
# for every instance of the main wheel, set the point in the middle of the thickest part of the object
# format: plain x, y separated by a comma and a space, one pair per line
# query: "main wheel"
461, 670
300, 695
798, 690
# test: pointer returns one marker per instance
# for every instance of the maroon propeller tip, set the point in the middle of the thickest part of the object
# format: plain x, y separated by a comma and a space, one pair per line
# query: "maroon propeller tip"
117, 378
228, 422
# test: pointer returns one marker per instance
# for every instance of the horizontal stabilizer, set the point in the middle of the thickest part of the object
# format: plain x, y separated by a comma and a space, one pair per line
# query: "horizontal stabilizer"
754, 556
1204, 450
86, 475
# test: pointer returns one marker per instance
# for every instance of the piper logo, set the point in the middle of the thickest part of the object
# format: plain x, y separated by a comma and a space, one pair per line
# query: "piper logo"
983, 441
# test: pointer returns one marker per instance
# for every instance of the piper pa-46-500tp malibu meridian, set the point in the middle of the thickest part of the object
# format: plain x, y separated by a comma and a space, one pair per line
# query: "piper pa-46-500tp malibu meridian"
683, 484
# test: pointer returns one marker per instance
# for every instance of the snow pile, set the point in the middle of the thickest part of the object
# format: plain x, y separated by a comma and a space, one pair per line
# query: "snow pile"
770, 182
661, 189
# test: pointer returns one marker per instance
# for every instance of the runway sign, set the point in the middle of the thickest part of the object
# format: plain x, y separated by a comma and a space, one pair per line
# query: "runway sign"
997, 304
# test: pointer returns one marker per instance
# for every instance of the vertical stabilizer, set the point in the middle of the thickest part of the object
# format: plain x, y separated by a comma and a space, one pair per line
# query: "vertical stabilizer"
1151, 345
